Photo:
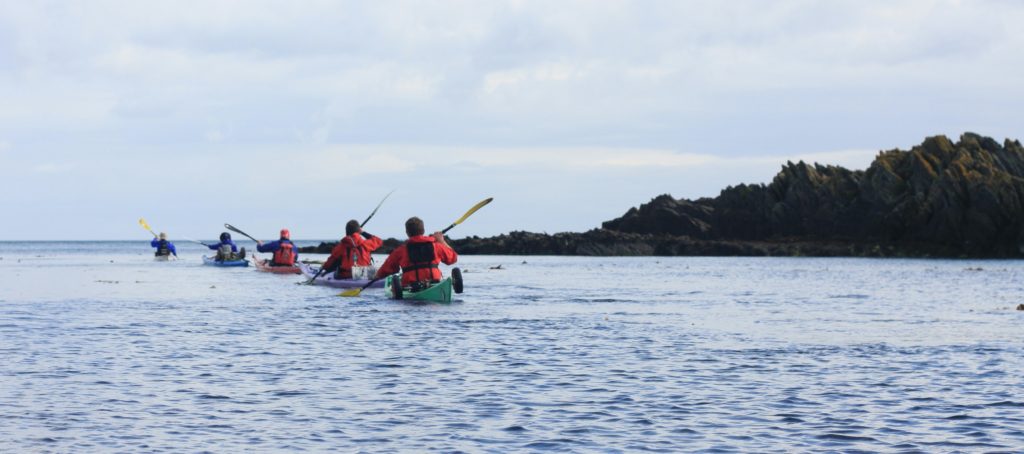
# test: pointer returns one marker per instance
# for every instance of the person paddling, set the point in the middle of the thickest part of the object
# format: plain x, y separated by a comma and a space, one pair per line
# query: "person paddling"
285, 252
226, 249
419, 257
352, 254
163, 247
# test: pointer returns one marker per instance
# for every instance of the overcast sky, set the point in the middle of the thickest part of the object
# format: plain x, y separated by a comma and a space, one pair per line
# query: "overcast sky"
305, 113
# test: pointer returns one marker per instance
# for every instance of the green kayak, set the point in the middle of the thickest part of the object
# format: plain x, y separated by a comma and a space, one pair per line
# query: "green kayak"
440, 292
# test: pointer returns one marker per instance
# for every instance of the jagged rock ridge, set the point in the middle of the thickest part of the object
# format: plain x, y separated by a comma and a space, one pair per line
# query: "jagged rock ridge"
961, 198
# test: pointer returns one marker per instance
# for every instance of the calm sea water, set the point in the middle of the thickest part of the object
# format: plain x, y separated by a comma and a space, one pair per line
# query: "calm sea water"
105, 350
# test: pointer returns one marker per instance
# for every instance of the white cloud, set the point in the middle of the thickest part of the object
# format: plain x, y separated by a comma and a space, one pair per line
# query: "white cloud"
326, 162
340, 162
405, 158
547, 72
680, 97
52, 168
215, 135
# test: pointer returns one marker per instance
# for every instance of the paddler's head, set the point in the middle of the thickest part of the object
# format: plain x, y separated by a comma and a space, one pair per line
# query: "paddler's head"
163, 236
285, 234
351, 227
225, 236
414, 227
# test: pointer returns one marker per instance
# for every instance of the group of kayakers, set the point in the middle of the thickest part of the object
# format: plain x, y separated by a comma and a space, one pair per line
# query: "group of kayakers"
418, 259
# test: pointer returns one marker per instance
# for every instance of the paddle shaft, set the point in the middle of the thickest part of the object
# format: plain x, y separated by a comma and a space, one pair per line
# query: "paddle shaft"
375, 209
195, 241
357, 292
236, 230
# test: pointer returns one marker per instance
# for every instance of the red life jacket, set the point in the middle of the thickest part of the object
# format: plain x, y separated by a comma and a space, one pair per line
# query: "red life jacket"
285, 254
349, 256
422, 263
352, 251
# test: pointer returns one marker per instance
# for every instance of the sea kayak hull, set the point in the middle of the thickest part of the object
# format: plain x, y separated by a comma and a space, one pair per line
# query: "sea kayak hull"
266, 267
163, 258
440, 292
210, 261
330, 281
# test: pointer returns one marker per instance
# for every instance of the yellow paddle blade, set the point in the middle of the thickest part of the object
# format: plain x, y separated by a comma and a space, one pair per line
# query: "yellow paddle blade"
473, 210
145, 225
351, 292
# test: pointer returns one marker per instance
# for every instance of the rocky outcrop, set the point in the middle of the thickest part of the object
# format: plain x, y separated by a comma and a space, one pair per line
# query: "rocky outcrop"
960, 199
666, 215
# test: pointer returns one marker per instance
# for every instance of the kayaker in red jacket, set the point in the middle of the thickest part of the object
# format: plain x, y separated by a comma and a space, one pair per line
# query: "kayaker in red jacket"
353, 250
285, 252
419, 257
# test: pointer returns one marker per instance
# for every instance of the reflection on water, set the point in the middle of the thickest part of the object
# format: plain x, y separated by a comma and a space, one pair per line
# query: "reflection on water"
104, 349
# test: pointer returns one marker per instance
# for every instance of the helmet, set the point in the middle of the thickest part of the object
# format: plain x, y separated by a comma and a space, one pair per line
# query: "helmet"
225, 236
285, 234
163, 236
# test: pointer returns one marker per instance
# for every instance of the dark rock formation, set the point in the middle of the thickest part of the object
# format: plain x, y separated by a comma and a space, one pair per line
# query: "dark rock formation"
666, 215
962, 199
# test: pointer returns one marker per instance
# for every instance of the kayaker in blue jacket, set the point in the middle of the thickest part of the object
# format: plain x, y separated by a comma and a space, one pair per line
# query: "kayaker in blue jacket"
226, 249
285, 252
163, 247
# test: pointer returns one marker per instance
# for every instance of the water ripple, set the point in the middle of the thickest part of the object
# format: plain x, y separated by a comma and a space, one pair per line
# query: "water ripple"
729, 355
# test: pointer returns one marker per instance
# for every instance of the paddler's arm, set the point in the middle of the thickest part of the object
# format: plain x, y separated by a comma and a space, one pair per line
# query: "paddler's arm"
371, 243
390, 265
267, 247
333, 260
443, 250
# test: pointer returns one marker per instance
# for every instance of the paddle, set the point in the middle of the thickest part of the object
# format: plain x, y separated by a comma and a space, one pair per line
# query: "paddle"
357, 291
235, 229
375, 209
468, 213
195, 241
318, 273
145, 225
